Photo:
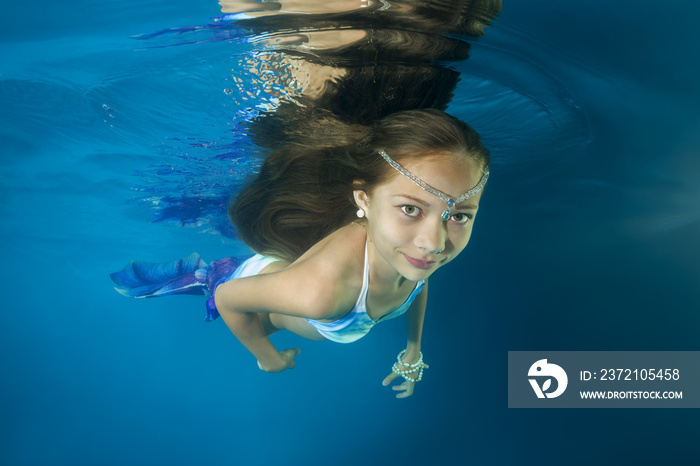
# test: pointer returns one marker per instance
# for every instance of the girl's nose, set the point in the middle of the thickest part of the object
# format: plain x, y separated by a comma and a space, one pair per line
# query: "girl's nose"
431, 238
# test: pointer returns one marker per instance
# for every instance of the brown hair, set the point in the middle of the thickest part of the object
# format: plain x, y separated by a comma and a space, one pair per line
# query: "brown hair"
304, 190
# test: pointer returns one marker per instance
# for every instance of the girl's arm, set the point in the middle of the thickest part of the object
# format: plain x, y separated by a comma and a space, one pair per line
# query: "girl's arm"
414, 324
299, 291
248, 328
414, 327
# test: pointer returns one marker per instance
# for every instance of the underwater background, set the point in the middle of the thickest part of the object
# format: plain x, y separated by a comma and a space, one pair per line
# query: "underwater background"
118, 146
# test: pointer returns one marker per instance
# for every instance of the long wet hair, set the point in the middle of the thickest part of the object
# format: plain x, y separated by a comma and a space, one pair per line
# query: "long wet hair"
304, 191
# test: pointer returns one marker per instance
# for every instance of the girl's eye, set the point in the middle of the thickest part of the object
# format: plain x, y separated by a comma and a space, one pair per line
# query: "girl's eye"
460, 218
410, 210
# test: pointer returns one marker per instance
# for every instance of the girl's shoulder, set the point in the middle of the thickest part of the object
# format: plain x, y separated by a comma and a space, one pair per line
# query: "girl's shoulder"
338, 253
336, 265
323, 283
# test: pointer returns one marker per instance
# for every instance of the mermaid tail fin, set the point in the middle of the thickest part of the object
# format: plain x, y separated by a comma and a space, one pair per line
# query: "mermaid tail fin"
147, 279
190, 275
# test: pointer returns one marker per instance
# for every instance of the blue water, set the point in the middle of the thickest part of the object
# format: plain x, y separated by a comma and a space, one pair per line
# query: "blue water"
587, 239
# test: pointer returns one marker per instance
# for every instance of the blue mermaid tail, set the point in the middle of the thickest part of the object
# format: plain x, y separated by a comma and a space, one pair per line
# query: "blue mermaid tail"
190, 275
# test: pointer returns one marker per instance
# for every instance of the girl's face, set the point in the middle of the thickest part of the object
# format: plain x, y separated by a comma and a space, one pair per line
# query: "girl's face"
404, 222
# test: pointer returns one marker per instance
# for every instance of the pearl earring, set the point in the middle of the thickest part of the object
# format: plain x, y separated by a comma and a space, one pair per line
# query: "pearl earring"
360, 213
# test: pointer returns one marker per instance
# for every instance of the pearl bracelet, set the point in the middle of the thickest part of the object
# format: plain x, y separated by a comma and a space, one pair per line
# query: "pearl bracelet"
416, 364
412, 368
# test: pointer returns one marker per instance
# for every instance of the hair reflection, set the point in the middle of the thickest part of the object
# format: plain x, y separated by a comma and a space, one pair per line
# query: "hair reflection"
359, 63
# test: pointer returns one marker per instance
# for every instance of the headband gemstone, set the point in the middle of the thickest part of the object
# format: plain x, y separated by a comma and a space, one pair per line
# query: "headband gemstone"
450, 201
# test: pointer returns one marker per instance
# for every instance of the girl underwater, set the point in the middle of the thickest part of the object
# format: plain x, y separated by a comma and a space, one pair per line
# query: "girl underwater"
348, 225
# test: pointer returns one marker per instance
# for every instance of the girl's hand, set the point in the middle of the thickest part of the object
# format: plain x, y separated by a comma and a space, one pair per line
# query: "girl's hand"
286, 361
406, 388
410, 372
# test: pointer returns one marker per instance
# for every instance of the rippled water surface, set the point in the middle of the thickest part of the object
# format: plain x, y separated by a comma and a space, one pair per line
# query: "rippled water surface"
126, 126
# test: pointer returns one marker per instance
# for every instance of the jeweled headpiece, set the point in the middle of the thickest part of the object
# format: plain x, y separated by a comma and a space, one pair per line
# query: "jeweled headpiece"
450, 201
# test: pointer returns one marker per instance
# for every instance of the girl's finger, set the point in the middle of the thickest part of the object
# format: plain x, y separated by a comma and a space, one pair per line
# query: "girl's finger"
403, 386
389, 378
408, 392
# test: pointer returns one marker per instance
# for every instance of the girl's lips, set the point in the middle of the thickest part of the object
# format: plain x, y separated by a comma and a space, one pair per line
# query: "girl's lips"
419, 264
